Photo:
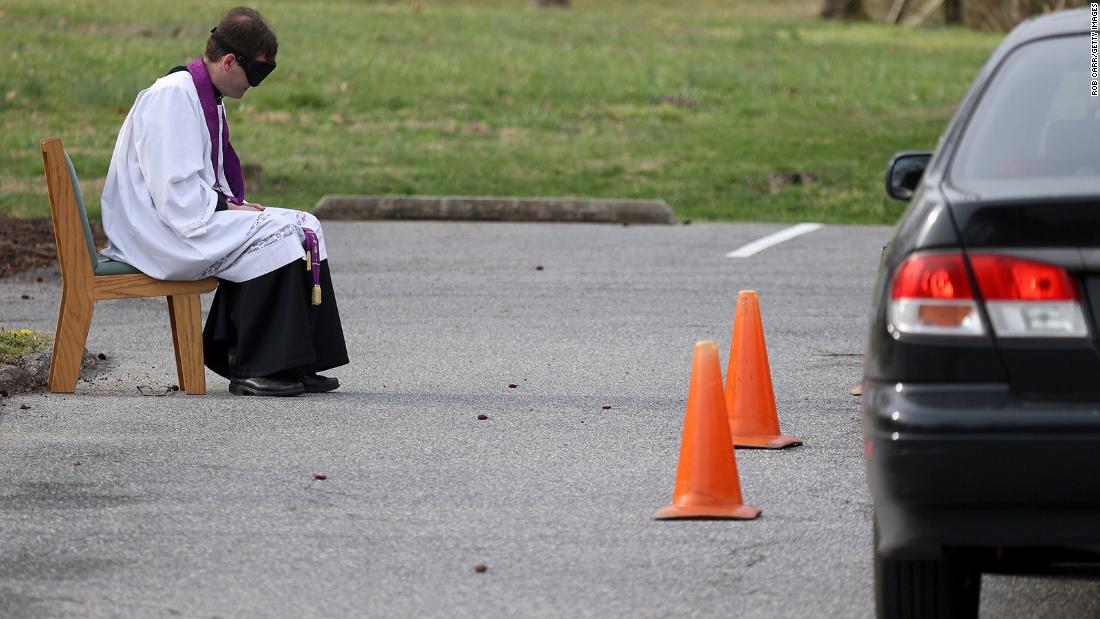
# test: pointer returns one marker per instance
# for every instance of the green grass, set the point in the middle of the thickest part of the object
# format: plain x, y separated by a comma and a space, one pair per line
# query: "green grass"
695, 103
15, 344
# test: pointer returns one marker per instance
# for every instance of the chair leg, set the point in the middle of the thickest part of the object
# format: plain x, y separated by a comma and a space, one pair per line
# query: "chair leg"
183, 311
73, 321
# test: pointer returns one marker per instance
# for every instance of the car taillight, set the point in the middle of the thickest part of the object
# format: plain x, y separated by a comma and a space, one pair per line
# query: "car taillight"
931, 295
1027, 298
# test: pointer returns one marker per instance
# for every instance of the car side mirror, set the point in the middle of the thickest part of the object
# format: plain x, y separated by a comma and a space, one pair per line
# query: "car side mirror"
904, 174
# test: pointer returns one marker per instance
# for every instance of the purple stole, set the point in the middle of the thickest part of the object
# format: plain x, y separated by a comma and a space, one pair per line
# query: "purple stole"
230, 163
313, 262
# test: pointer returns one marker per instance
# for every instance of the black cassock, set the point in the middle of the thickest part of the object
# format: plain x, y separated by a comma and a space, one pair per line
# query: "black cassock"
268, 325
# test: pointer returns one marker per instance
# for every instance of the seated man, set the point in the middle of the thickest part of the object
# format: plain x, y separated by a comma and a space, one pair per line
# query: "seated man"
173, 206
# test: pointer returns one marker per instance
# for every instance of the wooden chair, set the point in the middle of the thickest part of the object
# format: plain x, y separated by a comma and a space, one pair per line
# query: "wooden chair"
85, 279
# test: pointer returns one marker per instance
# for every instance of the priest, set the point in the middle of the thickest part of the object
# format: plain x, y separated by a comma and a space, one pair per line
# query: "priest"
174, 207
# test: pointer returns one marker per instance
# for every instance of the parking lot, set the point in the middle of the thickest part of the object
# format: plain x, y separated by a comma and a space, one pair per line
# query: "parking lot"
118, 504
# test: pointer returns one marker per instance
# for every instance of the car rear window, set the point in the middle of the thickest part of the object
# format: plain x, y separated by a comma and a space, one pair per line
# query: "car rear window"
1036, 130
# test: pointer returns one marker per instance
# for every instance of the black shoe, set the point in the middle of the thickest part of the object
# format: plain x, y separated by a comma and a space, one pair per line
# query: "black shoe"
311, 381
265, 385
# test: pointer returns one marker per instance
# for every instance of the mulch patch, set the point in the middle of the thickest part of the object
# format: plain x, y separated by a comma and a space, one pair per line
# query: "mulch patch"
27, 243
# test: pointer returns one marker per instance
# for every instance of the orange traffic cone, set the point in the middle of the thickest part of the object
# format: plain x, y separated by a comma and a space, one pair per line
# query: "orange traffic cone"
750, 399
706, 480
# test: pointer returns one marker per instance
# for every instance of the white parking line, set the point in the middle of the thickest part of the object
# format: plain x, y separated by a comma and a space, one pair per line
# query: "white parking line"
773, 239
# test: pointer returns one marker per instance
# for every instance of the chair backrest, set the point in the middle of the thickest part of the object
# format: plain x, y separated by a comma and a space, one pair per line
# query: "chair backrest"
72, 234
86, 228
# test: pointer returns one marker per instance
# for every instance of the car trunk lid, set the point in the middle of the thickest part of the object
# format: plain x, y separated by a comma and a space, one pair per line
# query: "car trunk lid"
1064, 232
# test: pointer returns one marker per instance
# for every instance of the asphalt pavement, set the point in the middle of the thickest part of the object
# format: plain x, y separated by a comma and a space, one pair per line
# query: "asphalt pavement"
115, 504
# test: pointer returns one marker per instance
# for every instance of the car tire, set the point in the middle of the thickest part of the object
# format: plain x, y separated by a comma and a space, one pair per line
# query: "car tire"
926, 588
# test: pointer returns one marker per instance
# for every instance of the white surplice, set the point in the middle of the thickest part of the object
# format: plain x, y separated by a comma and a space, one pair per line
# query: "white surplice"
159, 198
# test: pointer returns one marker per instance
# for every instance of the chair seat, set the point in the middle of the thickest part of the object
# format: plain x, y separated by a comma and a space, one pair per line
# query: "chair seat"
114, 267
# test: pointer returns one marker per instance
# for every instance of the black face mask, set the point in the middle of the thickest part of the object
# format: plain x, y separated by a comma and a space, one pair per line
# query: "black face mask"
254, 70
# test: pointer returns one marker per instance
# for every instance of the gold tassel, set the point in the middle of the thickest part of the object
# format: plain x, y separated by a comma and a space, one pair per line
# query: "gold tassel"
316, 294
309, 260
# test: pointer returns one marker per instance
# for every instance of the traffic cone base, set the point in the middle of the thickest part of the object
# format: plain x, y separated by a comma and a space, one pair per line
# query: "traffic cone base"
766, 442
709, 512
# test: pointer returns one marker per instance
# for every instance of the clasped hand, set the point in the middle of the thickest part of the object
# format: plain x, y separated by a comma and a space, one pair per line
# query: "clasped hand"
245, 207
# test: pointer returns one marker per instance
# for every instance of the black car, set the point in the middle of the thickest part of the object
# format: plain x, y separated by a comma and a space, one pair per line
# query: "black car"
981, 405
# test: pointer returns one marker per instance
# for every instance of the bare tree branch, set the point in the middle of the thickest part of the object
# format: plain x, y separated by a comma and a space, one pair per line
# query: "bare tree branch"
895, 11
922, 15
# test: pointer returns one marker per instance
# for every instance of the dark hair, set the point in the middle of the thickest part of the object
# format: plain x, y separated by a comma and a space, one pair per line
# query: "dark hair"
244, 29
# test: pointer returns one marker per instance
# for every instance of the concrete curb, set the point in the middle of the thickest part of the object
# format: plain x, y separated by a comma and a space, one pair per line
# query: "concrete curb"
33, 371
460, 208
